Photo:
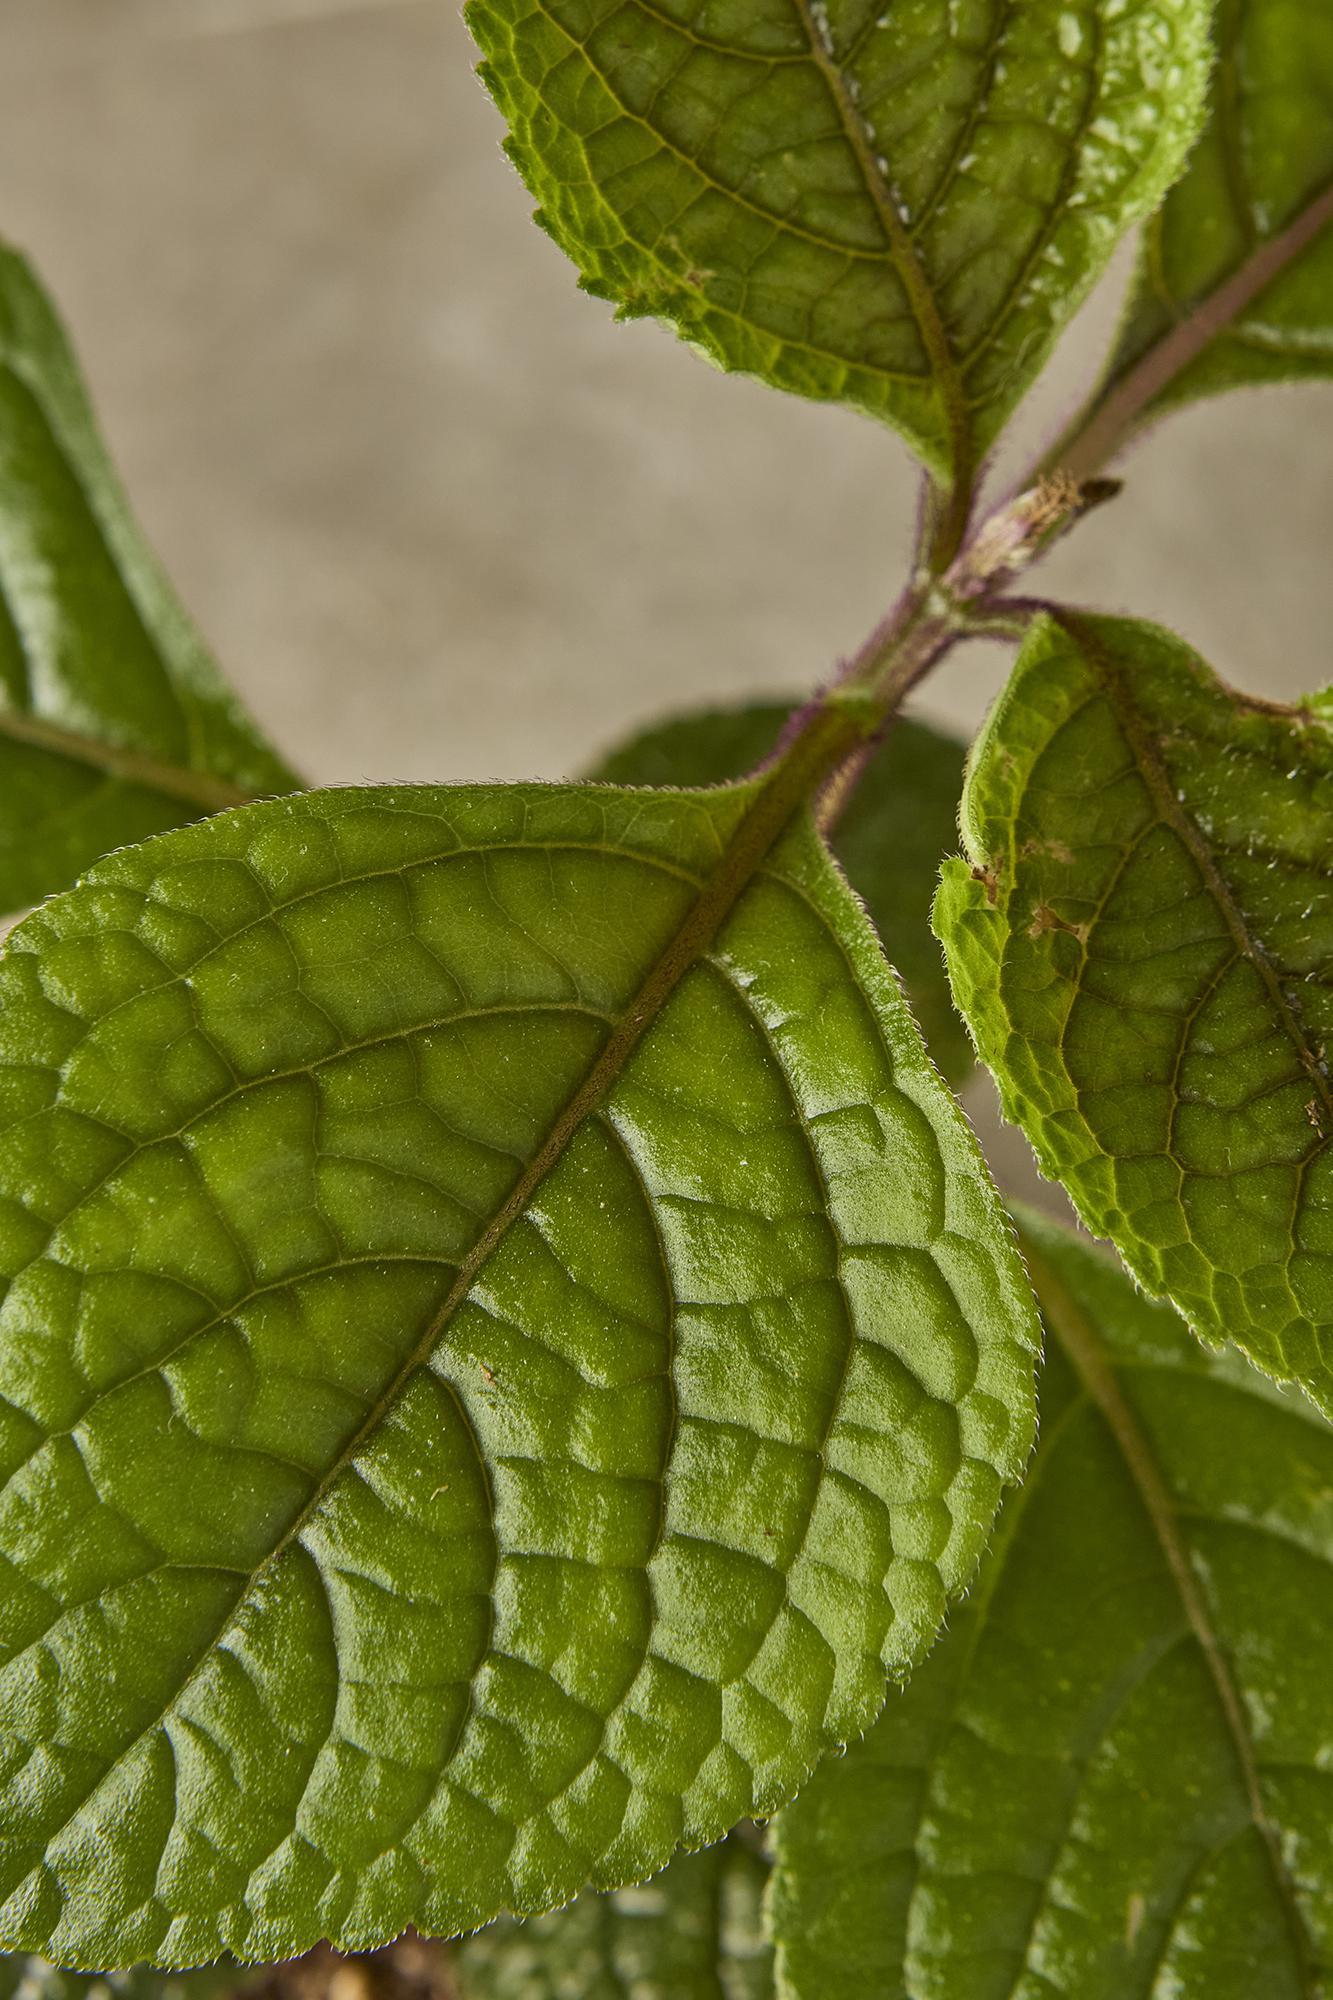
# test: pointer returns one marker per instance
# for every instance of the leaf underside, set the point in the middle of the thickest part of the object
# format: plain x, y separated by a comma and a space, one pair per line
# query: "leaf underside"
1143, 949
113, 721
463, 1438
695, 1932
1238, 262
895, 208
896, 828
1111, 1780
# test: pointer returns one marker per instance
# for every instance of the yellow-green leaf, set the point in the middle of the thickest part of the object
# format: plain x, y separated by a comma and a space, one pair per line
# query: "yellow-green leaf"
895, 207
1141, 941
506, 1343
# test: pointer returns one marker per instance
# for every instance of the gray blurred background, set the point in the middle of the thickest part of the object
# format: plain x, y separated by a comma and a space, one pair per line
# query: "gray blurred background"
438, 515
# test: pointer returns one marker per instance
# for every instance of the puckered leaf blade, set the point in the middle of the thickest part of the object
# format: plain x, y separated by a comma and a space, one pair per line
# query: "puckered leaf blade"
489, 1390
695, 1932
113, 721
894, 831
893, 208
1111, 1778
1235, 284
1142, 948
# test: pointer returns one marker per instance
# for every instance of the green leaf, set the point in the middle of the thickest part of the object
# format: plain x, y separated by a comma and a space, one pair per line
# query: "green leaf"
1236, 279
1143, 948
1111, 1779
695, 1932
113, 721
895, 208
895, 830
507, 1341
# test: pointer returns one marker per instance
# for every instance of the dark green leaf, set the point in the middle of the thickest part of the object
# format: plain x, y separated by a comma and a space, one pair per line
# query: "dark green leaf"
507, 1341
894, 207
1143, 947
695, 1932
897, 827
1236, 280
1112, 1779
113, 721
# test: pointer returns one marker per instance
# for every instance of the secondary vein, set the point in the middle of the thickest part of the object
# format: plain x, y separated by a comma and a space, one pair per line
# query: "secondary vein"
830, 733
1174, 813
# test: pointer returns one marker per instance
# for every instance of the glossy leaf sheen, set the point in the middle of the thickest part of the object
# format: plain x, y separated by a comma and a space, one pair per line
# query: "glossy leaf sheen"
695, 1932
1241, 252
113, 721
896, 828
894, 207
1111, 1780
1143, 949
458, 1450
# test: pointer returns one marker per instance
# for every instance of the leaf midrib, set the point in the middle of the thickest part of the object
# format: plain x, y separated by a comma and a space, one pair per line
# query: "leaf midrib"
130, 767
921, 297
1174, 813
829, 736
1079, 1340
1132, 394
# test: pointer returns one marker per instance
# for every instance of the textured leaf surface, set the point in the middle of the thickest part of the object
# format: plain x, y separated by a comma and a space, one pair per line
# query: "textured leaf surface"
1111, 1781
480, 1410
1144, 951
695, 1932
892, 207
1236, 280
113, 721
897, 827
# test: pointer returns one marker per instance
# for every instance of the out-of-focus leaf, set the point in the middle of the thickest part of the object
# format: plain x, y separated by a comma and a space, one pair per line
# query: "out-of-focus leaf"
114, 723
37, 1979
1235, 283
1111, 1780
695, 1932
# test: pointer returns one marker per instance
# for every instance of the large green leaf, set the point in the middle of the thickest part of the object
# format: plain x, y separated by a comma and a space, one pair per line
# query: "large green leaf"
893, 207
113, 721
693, 1933
507, 1341
896, 828
1143, 947
1112, 1779
1236, 279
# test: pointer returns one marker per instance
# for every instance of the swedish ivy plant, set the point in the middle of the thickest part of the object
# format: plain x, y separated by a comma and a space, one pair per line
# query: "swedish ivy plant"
510, 1355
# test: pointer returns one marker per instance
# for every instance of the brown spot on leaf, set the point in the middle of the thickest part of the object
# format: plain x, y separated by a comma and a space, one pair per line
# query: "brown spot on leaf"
1057, 850
1044, 919
990, 882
